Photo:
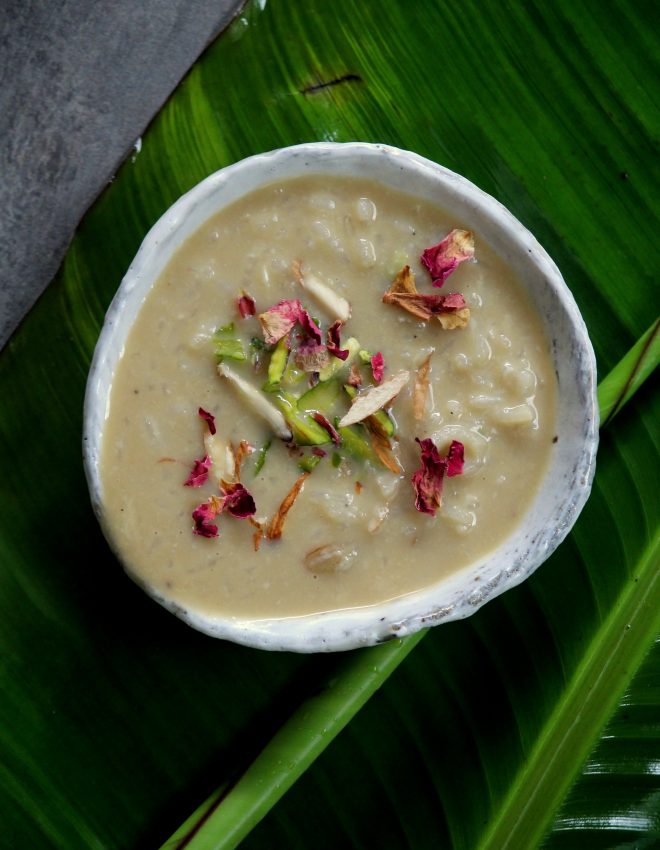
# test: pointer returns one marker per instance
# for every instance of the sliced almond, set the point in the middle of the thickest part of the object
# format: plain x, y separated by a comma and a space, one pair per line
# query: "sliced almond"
375, 398
333, 303
221, 453
257, 401
421, 388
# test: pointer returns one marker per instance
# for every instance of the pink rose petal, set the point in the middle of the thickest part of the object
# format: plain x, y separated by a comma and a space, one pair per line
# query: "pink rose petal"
445, 257
278, 320
202, 516
199, 472
378, 367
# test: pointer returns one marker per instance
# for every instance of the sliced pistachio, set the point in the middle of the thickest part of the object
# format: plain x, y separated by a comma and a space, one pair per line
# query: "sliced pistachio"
277, 365
335, 364
306, 432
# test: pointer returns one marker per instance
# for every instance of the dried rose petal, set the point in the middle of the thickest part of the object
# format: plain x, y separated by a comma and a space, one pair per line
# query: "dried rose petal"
427, 480
449, 309
354, 376
426, 306
237, 500
274, 530
310, 327
334, 343
445, 257
209, 419
455, 458
246, 305
378, 367
199, 472
324, 422
310, 356
278, 320
203, 516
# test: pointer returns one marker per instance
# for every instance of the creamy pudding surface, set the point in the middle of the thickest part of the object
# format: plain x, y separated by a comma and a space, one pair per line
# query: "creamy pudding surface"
353, 535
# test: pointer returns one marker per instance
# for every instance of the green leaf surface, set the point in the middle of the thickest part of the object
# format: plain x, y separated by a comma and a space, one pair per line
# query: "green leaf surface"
534, 723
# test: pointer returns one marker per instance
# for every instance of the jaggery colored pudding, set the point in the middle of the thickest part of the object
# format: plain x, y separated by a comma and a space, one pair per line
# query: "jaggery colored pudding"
357, 530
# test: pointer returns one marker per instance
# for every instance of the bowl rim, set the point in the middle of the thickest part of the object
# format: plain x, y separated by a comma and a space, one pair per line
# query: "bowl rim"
458, 595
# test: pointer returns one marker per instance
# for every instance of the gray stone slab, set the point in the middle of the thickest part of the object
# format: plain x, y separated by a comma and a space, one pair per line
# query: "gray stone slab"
79, 82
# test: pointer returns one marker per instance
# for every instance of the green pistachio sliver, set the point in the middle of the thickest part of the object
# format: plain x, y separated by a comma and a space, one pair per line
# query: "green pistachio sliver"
321, 397
306, 431
226, 345
308, 462
261, 457
357, 445
335, 364
293, 375
277, 365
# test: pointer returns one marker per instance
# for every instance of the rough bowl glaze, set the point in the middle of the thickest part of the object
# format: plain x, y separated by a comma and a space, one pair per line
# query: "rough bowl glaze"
567, 484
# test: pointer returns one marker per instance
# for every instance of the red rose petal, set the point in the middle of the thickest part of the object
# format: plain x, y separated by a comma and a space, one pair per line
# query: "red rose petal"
334, 342
209, 419
238, 501
455, 458
199, 472
202, 516
310, 327
427, 480
378, 367
324, 422
246, 305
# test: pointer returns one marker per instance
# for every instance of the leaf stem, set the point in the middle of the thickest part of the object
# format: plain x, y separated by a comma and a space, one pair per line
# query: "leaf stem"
229, 815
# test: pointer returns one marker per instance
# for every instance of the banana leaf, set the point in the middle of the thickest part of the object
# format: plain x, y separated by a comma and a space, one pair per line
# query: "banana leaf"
534, 723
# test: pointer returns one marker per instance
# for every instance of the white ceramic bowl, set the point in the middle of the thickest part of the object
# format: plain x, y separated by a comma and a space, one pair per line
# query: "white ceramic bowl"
568, 481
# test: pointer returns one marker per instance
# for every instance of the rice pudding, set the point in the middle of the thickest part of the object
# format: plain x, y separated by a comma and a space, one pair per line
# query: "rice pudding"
357, 532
